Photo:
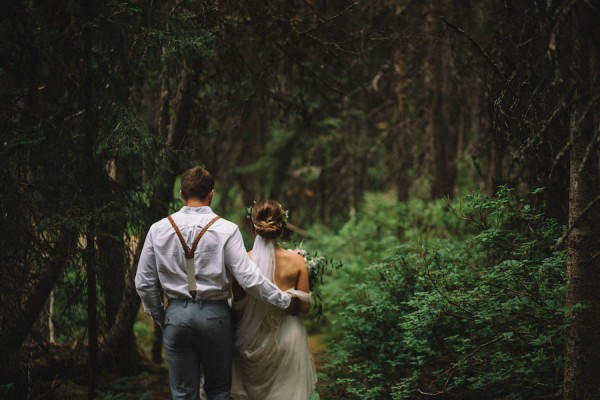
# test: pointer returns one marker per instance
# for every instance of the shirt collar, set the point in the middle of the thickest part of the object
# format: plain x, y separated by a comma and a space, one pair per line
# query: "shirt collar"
196, 210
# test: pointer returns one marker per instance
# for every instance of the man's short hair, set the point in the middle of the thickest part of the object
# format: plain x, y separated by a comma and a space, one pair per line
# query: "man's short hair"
196, 183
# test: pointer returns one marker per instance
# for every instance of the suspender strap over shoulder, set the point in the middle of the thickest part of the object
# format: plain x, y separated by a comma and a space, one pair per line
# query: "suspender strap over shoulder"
189, 253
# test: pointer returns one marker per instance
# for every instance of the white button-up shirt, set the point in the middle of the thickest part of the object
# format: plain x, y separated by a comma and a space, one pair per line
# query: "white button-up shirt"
219, 256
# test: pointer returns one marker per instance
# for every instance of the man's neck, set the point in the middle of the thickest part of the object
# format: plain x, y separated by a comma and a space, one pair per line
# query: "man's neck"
196, 203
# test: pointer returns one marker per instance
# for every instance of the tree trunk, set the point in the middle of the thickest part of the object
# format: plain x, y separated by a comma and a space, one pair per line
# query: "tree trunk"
119, 350
182, 109
401, 145
112, 258
51, 330
111, 266
440, 130
494, 168
582, 361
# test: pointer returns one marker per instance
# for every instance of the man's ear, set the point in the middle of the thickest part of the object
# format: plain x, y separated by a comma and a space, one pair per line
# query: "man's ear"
181, 195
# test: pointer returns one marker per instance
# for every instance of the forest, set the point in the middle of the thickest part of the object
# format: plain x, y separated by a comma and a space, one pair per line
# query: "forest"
441, 158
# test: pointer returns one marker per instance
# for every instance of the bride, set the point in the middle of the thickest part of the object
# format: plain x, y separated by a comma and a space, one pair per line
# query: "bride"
271, 357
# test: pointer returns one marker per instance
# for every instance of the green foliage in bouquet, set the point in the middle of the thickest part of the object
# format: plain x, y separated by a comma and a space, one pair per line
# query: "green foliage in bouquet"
474, 311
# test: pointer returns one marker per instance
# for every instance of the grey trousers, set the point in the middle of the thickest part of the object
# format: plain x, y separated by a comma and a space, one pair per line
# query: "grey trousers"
198, 337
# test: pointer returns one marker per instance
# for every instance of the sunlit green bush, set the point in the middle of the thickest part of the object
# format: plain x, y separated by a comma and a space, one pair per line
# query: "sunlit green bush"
464, 301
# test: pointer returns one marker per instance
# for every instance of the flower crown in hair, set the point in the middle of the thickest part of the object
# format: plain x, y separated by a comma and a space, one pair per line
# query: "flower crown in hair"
249, 210
286, 213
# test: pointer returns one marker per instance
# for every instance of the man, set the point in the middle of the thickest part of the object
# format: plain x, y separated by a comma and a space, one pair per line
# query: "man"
193, 255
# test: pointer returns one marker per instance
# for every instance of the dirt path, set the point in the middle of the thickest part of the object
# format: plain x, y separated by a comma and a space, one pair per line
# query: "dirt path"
317, 348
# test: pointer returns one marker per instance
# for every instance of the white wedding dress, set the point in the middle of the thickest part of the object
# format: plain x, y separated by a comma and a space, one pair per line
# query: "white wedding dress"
271, 357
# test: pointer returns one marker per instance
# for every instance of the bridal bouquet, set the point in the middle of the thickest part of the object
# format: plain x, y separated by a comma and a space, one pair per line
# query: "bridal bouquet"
317, 266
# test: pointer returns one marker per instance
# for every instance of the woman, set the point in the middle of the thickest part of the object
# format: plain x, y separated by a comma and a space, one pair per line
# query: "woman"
271, 357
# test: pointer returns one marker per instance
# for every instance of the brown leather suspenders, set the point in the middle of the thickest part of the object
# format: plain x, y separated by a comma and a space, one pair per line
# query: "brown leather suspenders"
189, 253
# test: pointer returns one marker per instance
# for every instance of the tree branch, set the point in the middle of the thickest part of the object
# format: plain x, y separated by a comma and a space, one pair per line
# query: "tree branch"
324, 20
477, 46
560, 241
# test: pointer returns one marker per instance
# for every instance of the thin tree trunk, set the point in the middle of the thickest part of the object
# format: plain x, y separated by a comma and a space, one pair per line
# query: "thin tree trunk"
401, 147
92, 318
165, 101
493, 168
51, 332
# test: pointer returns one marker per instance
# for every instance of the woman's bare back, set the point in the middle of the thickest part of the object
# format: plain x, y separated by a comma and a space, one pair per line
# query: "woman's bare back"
288, 266
290, 273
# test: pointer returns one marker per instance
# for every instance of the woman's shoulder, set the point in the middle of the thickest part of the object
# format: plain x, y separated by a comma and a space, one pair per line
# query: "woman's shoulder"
291, 257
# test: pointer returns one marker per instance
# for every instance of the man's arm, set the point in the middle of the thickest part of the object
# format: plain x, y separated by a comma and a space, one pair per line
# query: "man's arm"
249, 276
147, 283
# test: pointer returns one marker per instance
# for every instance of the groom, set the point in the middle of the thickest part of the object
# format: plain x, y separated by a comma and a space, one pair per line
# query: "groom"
193, 255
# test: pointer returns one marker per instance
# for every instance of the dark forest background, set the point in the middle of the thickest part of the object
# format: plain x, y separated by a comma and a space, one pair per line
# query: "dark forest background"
446, 152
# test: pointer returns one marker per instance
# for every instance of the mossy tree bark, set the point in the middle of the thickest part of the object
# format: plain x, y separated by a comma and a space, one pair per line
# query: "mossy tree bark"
582, 361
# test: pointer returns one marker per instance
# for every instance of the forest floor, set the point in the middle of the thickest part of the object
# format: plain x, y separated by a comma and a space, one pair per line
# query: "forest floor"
151, 384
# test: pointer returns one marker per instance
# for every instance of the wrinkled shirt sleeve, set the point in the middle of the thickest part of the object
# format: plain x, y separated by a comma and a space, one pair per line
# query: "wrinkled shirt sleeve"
248, 275
147, 284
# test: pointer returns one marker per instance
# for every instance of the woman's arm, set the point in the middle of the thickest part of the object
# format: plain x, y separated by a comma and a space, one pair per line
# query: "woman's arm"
302, 284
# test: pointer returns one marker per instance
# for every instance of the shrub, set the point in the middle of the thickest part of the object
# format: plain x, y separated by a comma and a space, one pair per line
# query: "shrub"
470, 310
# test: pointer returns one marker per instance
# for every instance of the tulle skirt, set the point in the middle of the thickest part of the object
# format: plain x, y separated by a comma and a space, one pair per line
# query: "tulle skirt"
274, 364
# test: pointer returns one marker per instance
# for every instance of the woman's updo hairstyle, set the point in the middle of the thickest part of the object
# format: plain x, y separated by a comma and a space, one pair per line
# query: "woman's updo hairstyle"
268, 219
